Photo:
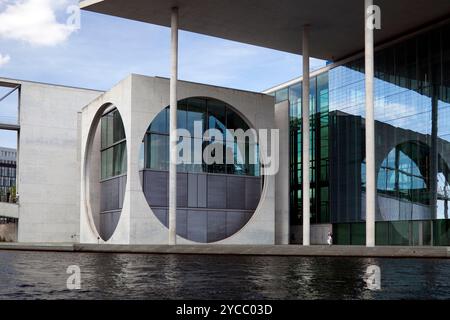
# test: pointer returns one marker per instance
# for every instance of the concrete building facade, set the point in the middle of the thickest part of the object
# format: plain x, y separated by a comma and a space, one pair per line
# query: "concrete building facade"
48, 162
364, 139
139, 100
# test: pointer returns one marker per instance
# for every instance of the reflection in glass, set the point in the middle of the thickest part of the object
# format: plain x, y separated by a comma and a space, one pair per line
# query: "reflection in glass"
206, 113
113, 145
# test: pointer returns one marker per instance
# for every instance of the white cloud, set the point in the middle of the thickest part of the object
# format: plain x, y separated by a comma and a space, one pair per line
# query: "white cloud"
4, 59
33, 21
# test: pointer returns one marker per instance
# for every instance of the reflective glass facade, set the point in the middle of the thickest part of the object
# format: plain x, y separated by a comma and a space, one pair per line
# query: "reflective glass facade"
113, 145
412, 129
214, 201
210, 114
319, 153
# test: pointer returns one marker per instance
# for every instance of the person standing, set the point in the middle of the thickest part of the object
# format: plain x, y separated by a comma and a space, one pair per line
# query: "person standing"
330, 239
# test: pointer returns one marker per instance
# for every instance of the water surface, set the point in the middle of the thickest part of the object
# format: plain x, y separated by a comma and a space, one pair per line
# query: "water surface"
42, 275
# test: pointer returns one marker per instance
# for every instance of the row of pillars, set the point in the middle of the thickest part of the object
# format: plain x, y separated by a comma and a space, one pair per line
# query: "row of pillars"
369, 138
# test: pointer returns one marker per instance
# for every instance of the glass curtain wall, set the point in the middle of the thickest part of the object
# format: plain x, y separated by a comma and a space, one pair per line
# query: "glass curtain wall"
208, 114
412, 113
319, 153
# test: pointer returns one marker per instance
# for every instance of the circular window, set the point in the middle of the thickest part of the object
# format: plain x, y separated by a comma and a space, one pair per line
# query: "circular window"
107, 167
404, 186
218, 172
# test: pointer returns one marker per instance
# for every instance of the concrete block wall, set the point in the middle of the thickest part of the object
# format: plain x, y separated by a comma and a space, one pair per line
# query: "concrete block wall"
49, 161
139, 99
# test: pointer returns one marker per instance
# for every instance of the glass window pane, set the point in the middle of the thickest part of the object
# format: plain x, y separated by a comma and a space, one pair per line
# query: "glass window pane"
358, 233
235, 122
158, 152
281, 95
211, 152
160, 124
104, 129
109, 162
118, 130
196, 112
399, 233
119, 159
295, 93
123, 169
109, 130
196, 156
216, 116
181, 116
382, 233
103, 165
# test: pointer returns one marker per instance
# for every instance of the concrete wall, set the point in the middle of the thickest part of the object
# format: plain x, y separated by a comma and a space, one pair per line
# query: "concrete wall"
139, 99
49, 161
9, 210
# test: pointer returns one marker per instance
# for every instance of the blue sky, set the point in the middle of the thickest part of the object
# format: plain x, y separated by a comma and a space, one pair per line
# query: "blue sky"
35, 44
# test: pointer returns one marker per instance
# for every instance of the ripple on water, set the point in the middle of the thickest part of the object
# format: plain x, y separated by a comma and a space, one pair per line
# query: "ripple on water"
42, 275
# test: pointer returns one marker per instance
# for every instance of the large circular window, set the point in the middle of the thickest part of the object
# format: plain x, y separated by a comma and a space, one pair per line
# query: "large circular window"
107, 168
404, 184
218, 182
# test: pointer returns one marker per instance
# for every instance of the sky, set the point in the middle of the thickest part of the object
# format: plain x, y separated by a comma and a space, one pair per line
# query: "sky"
40, 41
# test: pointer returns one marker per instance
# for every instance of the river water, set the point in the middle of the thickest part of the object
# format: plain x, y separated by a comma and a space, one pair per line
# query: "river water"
43, 275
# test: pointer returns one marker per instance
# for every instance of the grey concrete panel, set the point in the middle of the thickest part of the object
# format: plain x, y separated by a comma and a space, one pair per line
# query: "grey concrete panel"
122, 186
182, 193
217, 186
192, 190
217, 225
252, 192
197, 225
155, 188
182, 223
112, 192
114, 200
161, 214
235, 192
108, 223
236, 220
202, 191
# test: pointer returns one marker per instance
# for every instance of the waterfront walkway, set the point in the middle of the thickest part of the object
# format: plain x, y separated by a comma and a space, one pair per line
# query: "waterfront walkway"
260, 250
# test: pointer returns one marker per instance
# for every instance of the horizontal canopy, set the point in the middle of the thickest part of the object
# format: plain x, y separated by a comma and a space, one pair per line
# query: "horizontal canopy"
337, 27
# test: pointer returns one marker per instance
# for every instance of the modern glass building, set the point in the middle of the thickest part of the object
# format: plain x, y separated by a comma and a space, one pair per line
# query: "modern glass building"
412, 143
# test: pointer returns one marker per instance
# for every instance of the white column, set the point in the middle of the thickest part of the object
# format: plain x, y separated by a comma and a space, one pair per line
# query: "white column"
305, 138
282, 177
370, 128
173, 128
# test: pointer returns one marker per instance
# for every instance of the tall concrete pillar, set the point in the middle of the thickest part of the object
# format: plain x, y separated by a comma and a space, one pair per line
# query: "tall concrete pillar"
305, 139
173, 128
370, 126
282, 177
